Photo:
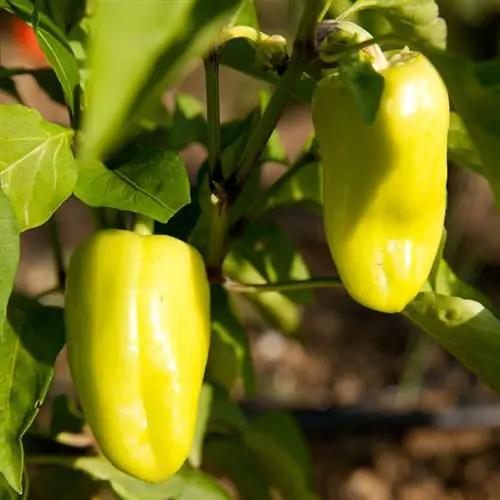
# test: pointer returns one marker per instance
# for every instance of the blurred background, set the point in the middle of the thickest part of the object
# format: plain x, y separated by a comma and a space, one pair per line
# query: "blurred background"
387, 413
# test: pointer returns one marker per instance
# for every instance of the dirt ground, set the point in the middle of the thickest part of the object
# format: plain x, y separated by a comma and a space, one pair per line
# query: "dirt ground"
346, 356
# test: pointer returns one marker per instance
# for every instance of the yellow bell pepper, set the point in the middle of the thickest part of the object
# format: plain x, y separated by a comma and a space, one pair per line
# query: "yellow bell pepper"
138, 333
384, 184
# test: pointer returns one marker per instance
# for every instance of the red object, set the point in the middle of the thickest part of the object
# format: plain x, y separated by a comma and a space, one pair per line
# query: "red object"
24, 36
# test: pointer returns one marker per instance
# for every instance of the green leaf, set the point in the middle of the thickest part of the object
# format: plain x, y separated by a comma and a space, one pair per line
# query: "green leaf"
188, 123
37, 168
246, 15
230, 356
243, 56
265, 254
477, 105
446, 282
46, 79
53, 42
7, 84
282, 453
62, 483
62, 60
465, 328
10, 249
187, 484
32, 338
6, 492
226, 417
302, 184
232, 459
65, 416
65, 13
275, 308
461, 151
204, 405
130, 45
411, 17
274, 256
149, 181
365, 84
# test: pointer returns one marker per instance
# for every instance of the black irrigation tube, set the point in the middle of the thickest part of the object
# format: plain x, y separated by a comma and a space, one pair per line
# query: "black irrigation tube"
337, 420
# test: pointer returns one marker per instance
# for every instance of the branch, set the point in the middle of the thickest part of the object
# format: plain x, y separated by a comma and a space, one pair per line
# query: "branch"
283, 286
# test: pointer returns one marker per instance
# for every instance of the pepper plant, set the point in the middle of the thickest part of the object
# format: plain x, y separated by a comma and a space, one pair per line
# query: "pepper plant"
142, 309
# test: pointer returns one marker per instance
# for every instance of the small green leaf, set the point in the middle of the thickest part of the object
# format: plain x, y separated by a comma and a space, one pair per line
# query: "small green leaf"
281, 453
246, 15
63, 61
149, 181
204, 405
232, 459
411, 18
288, 436
266, 254
273, 254
46, 79
7, 84
65, 416
130, 45
365, 84
10, 249
31, 340
302, 184
446, 282
53, 42
461, 151
188, 123
465, 328
226, 417
187, 484
477, 105
6, 492
37, 168
231, 357
275, 308
62, 483
243, 56
66, 13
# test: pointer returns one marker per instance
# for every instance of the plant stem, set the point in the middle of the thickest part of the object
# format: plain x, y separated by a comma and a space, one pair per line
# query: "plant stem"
50, 291
419, 352
267, 124
213, 116
144, 225
57, 252
62, 461
217, 236
218, 223
283, 286
356, 7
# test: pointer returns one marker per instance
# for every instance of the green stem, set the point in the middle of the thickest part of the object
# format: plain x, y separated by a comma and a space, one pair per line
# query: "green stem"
339, 33
358, 6
267, 124
57, 252
62, 461
218, 235
261, 204
283, 286
213, 116
144, 225
50, 291
419, 353
280, 183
